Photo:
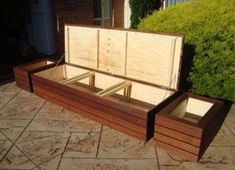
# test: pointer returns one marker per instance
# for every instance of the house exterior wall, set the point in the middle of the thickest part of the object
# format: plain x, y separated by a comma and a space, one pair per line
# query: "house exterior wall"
79, 12
118, 13
72, 12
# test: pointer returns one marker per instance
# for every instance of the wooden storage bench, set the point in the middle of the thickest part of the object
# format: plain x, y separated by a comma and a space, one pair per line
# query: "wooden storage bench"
23, 72
187, 125
118, 77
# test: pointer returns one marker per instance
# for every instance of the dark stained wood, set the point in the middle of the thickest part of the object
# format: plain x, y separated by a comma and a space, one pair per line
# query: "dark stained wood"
23, 73
213, 127
184, 137
177, 143
96, 115
176, 150
177, 135
172, 123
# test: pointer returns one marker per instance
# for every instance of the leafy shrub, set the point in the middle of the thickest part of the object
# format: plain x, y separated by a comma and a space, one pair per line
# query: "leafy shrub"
139, 9
209, 27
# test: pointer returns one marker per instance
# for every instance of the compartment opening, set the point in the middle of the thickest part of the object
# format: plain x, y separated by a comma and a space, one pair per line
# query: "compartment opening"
191, 109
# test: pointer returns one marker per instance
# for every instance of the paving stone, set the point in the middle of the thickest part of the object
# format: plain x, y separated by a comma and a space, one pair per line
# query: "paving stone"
3, 86
224, 137
82, 145
57, 122
10, 87
15, 159
214, 158
114, 144
51, 107
42, 146
5, 97
12, 128
5, 145
230, 122
23, 106
108, 164
51, 164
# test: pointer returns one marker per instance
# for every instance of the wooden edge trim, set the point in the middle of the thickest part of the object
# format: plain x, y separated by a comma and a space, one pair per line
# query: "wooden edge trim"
34, 62
205, 98
171, 106
211, 113
181, 35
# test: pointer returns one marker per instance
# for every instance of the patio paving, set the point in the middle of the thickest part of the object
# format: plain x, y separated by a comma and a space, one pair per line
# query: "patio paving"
37, 134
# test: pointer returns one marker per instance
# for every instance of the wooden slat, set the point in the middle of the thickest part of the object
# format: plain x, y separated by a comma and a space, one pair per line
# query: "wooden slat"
176, 150
23, 86
112, 89
177, 135
178, 126
173, 142
78, 78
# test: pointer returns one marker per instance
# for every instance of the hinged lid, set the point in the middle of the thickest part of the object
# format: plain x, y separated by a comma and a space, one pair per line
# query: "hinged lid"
149, 57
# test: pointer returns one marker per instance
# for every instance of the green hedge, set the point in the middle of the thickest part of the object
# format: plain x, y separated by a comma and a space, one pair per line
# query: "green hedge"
140, 9
209, 28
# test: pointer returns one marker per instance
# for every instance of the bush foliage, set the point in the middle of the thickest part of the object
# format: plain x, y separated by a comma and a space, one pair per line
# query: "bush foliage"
209, 26
140, 9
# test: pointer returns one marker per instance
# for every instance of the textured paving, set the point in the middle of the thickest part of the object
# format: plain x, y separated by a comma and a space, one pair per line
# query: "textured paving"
37, 134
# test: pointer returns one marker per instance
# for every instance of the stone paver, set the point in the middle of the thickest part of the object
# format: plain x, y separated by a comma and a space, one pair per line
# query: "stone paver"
109, 164
37, 134
82, 145
114, 144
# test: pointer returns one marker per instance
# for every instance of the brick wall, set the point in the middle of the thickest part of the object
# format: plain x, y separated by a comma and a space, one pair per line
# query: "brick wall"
79, 12
72, 12
118, 13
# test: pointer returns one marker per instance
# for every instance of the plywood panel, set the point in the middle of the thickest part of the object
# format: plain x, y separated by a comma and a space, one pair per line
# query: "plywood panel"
150, 57
54, 74
198, 107
148, 94
112, 44
81, 46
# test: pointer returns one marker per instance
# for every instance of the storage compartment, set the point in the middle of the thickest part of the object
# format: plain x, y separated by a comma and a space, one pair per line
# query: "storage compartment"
191, 109
117, 102
23, 72
187, 125
118, 77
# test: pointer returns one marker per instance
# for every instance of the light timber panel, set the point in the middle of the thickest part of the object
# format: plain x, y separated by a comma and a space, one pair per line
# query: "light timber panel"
150, 57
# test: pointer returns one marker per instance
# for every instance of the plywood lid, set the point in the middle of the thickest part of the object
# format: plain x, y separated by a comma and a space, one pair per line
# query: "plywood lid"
149, 57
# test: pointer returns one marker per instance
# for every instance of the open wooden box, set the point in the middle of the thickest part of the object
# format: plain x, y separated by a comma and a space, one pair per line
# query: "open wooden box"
187, 125
118, 77
23, 72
